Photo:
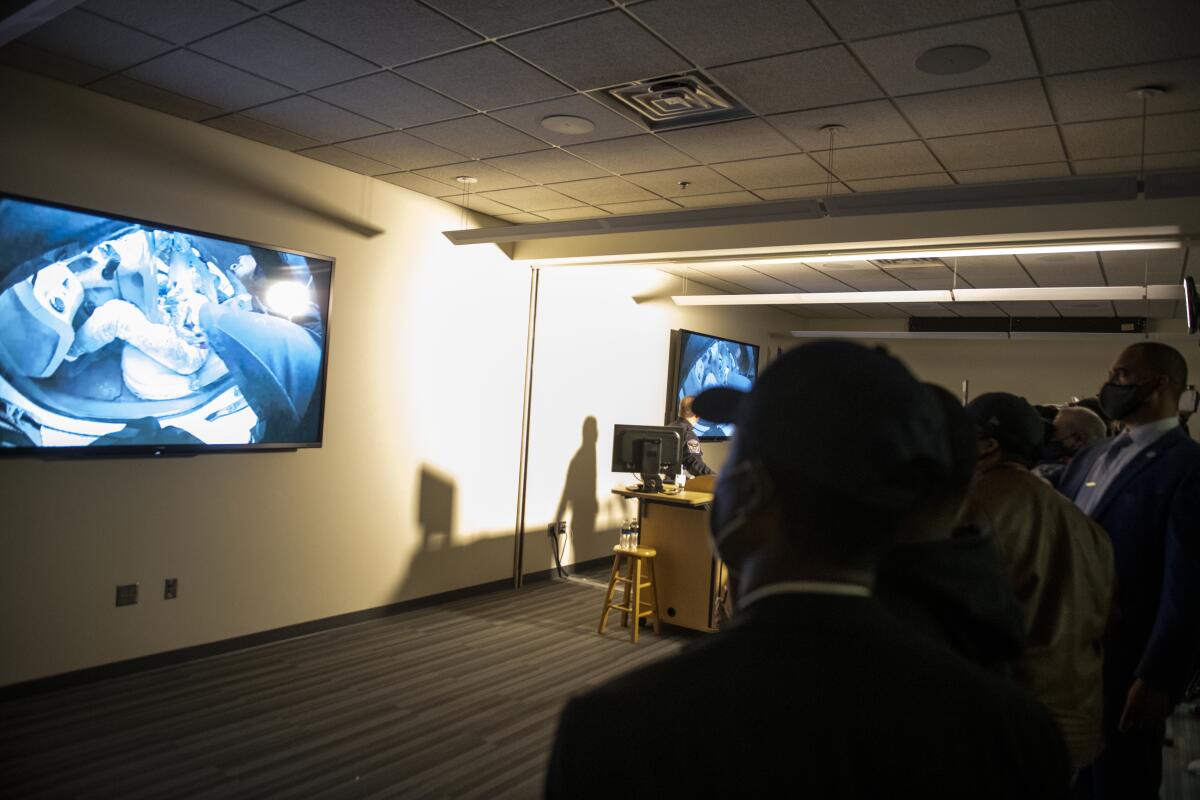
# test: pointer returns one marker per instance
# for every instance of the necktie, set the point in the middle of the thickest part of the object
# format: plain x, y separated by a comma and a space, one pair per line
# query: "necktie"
1114, 450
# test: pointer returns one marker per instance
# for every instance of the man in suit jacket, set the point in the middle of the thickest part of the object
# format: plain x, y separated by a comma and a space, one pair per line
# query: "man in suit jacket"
815, 689
1143, 487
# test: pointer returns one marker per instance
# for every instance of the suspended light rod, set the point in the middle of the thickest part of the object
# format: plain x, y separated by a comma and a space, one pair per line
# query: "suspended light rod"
1049, 293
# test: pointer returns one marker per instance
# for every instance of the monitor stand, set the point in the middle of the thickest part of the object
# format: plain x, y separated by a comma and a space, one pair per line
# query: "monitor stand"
651, 479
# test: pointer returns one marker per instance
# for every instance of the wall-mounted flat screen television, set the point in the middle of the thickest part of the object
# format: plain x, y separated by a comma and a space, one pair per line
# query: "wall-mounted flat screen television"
700, 361
121, 336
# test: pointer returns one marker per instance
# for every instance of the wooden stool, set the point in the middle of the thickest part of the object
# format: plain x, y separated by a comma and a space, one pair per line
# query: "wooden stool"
633, 556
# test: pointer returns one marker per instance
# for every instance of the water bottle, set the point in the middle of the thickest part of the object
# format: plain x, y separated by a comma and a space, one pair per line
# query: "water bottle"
634, 533
623, 542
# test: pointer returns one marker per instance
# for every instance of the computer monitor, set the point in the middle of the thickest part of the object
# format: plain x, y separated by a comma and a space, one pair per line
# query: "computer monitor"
647, 450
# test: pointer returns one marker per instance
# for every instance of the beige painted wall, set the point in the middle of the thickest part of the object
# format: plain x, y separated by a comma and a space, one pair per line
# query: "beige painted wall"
414, 491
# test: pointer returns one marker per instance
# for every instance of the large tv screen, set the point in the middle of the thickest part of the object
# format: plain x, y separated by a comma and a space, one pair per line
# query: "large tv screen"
702, 361
125, 336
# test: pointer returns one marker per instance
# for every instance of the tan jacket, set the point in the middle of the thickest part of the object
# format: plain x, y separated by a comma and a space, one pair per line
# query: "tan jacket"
1060, 562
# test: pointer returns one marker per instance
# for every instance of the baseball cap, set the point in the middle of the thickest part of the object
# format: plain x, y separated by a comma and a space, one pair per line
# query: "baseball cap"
844, 417
1008, 419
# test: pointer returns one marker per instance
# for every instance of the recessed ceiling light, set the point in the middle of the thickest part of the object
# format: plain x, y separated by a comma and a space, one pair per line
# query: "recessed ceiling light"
952, 59
571, 126
466, 180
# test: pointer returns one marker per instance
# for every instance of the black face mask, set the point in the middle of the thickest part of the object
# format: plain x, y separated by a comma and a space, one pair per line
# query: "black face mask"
1119, 400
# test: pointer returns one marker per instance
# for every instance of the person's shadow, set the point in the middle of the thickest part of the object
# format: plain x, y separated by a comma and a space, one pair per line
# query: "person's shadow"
579, 490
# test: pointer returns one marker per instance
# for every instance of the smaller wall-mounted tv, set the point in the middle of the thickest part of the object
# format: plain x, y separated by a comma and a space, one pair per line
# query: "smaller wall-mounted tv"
700, 361
125, 337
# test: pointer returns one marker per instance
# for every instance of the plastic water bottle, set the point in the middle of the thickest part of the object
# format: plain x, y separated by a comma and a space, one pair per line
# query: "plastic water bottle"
634, 533
623, 542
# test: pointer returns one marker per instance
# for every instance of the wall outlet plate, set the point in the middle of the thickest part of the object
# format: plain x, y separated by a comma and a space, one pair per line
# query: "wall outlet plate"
171, 589
127, 594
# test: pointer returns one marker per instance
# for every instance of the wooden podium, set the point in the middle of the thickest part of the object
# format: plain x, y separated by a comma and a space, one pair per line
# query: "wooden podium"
689, 575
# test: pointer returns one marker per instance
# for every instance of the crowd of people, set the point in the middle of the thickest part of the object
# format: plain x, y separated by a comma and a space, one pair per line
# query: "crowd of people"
932, 600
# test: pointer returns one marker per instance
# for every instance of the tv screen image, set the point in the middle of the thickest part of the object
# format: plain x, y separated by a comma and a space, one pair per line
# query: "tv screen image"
124, 336
704, 361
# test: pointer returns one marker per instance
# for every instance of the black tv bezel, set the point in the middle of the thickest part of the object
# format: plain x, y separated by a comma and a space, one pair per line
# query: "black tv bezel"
673, 377
167, 450
1191, 304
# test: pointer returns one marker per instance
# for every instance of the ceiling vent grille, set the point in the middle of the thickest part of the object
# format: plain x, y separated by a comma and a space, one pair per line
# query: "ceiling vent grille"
907, 263
678, 100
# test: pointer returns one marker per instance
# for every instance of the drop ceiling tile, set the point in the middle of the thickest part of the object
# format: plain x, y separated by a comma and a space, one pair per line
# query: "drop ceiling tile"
509, 16
483, 205
547, 166
874, 122
582, 212
416, 183
1021, 104
1064, 269
603, 190
641, 207
338, 157
529, 118
94, 40
311, 117
865, 280
1129, 165
808, 190
402, 151
177, 21
1105, 94
892, 59
695, 276
1084, 308
1030, 172
858, 19
144, 94
880, 161
1131, 268
488, 177
700, 180
877, 310
719, 199
765, 173
28, 58
1107, 33
209, 81
1002, 149
478, 137
711, 32
991, 272
384, 31
601, 50
392, 100
830, 76
485, 77
752, 279
521, 218
1155, 309
924, 309
1165, 133
260, 132
804, 278
279, 52
632, 154
744, 138
978, 310
534, 198
1029, 309
266, 5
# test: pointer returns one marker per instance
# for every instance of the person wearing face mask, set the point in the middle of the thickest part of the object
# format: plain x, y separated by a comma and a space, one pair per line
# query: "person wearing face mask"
1143, 487
796, 695
1074, 428
1057, 560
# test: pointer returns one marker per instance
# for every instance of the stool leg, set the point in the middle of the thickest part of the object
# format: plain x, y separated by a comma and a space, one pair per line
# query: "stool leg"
608, 596
654, 597
637, 597
628, 590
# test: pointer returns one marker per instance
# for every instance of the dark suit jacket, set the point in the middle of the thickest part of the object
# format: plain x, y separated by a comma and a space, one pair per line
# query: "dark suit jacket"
809, 695
1152, 514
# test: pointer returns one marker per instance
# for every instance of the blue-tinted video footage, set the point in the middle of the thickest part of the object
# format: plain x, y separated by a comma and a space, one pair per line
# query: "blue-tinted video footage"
115, 333
708, 361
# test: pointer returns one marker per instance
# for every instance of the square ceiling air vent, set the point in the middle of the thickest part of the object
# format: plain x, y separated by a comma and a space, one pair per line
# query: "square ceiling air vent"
678, 100
901, 263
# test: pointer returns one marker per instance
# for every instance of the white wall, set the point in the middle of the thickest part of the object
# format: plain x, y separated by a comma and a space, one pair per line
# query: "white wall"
414, 490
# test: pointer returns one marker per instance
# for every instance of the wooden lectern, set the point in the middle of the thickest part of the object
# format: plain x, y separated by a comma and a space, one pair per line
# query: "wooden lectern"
690, 577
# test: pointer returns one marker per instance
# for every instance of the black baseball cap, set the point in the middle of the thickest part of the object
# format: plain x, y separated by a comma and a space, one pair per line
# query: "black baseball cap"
841, 416
1008, 419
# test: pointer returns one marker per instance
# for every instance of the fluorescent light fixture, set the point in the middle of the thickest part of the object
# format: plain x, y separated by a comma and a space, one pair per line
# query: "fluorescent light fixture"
812, 298
1011, 295
1029, 336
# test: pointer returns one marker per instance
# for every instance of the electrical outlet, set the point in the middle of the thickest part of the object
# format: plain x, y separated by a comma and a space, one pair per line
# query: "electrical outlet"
127, 594
562, 527
171, 589
552, 529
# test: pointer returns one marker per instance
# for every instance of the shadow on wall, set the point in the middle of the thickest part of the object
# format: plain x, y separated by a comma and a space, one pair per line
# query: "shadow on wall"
579, 490
435, 509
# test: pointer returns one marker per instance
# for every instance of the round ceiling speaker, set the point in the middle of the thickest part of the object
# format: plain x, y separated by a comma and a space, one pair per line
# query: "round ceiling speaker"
571, 126
952, 59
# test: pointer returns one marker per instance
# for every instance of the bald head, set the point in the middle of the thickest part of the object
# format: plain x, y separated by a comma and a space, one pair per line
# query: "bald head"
1156, 359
